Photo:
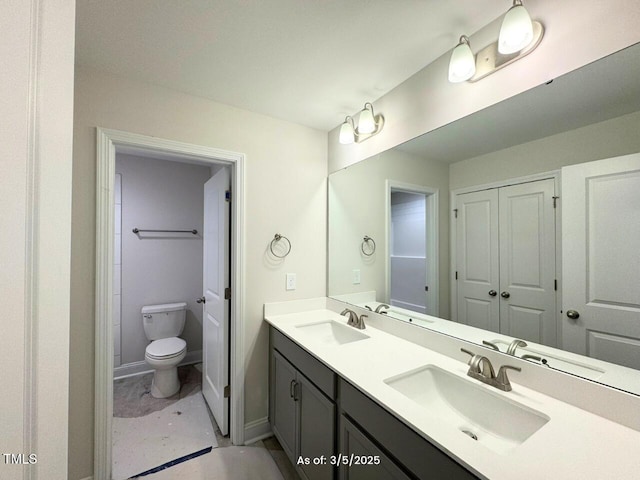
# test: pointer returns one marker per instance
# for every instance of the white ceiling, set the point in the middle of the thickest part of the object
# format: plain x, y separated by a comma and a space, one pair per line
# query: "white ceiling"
306, 61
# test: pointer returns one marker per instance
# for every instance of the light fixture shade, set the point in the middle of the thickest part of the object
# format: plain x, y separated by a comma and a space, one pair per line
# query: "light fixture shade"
366, 122
347, 134
462, 65
516, 31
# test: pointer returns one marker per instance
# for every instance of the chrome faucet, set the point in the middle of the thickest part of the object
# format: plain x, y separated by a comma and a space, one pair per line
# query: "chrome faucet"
380, 307
481, 369
354, 321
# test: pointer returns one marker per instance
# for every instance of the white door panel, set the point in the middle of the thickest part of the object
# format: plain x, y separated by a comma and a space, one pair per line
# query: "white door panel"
477, 259
216, 309
527, 262
601, 264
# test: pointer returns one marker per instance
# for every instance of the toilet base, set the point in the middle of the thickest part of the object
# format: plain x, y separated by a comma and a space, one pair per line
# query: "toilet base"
165, 383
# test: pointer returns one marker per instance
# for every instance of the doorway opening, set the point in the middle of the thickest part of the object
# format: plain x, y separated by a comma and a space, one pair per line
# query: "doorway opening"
412, 247
184, 260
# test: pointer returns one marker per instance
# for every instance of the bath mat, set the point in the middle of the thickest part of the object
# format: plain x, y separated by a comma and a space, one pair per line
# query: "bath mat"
144, 443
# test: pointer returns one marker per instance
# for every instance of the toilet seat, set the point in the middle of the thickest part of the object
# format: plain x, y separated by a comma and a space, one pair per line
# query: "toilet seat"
166, 348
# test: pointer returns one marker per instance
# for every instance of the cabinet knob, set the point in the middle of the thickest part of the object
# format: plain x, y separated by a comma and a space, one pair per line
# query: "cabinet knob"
492, 293
505, 294
201, 300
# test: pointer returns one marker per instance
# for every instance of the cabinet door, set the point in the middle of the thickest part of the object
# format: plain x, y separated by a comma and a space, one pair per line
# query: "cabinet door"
284, 408
317, 429
477, 258
372, 464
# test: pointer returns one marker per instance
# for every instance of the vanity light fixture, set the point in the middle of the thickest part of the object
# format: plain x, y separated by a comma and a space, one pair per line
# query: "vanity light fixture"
517, 29
463, 63
369, 124
519, 36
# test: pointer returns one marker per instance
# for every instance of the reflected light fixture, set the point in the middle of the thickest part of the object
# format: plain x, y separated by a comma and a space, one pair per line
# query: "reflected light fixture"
369, 124
519, 36
517, 29
462, 65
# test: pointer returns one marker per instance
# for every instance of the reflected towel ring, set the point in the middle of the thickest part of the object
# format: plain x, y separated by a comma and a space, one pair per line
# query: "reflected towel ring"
275, 241
367, 240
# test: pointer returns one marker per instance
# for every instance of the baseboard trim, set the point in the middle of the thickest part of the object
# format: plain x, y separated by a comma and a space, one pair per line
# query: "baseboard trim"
257, 430
87, 478
140, 368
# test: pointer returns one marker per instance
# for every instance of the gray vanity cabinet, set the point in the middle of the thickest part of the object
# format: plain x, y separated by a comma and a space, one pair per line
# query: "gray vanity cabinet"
302, 416
372, 463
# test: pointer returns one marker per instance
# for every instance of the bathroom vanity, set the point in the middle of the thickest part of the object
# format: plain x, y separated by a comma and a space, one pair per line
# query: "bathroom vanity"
368, 404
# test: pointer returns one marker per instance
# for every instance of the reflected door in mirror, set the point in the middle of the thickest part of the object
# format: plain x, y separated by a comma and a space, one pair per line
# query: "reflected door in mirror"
602, 201
506, 243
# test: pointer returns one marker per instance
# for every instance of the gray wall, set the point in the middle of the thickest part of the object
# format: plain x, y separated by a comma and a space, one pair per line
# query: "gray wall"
160, 268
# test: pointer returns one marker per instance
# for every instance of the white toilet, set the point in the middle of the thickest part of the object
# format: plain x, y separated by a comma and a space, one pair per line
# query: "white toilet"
162, 325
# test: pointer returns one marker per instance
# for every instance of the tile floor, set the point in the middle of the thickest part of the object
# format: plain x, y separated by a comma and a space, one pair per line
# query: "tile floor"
264, 460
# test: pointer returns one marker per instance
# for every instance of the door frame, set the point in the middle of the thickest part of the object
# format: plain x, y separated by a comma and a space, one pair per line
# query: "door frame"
433, 228
553, 174
109, 142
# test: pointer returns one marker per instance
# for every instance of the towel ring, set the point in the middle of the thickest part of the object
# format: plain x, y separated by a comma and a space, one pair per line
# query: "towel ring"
275, 241
367, 240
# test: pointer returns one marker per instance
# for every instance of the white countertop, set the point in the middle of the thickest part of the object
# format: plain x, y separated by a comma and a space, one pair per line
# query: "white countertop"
573, 444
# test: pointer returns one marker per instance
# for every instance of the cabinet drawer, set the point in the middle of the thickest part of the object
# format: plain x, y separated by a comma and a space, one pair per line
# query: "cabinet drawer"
418, 456
321, 376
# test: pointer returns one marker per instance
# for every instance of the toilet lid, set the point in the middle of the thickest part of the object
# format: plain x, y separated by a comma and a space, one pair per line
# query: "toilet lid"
166, 347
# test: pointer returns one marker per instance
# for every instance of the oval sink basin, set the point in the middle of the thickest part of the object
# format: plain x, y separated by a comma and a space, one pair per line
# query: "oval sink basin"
332, 333
489, 418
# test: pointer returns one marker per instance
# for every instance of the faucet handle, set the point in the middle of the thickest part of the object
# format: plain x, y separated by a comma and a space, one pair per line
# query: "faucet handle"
490, 345
502, 380
468, 352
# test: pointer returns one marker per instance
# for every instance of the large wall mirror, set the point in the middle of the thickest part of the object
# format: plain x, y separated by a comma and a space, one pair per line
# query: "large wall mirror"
516, 228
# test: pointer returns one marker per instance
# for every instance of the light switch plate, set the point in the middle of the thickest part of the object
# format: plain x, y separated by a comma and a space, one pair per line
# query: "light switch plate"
356, 277
291, 281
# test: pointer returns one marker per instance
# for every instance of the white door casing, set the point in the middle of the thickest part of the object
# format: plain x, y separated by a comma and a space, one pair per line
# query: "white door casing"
215, 339
477, 257
108, 141
432, 279
601, 263
528, 261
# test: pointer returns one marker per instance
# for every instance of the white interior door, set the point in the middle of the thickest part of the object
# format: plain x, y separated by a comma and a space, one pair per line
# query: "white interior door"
477, 259
601, 264
527, 293
216, 308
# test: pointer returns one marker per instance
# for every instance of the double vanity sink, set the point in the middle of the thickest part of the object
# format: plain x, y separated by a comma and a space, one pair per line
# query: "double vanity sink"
493, 434
492, 419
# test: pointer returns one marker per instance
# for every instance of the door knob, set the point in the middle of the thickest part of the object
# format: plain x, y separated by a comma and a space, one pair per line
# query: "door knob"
493, 293
201, 300
572, 314
505, 294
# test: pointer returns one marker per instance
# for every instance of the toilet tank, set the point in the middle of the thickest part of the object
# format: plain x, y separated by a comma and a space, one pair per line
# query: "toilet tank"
164, 321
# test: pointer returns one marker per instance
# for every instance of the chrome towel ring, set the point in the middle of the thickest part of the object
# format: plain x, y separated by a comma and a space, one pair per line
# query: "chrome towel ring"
370, 243
276, 239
